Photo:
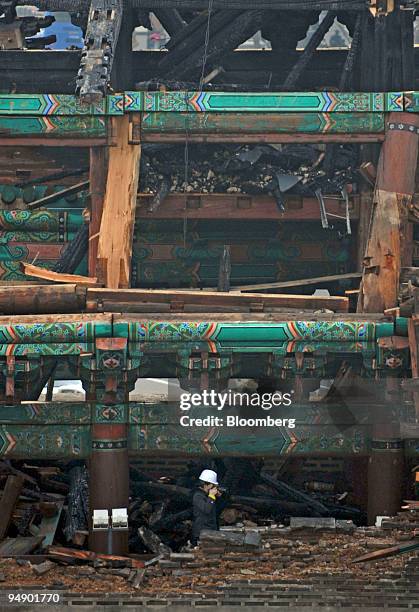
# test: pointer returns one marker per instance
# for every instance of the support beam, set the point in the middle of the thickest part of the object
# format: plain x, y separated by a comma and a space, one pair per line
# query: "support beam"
103, 26
117, 227
108, 465
322, 29
97, 176
42, 298
394, 193
212, 298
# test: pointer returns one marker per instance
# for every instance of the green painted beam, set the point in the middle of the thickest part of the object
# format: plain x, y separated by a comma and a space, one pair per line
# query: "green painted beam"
88, 126
43, 105
279, 102
270, 331
260, 123
53, 333
62, 429
58, 104
50, 349
184, 330
40, 220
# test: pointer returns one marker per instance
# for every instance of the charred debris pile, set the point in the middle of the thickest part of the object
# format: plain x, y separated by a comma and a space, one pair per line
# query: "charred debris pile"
44, 505
274, 170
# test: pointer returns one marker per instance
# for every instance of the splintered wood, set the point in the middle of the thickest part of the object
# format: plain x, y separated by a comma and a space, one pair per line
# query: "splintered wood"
117, 227
388, 231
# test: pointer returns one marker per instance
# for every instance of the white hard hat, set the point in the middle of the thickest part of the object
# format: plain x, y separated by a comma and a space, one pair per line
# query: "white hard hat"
209, 476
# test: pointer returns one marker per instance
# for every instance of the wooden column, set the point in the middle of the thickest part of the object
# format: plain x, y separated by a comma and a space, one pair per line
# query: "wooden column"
98, 167
385, 472
118, 217
389, 227
108, 464
109, 482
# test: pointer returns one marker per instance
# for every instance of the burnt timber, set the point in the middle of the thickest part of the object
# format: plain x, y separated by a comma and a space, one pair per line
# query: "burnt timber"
155, 251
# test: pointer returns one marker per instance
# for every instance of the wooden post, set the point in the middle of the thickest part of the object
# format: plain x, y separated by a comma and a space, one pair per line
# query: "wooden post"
388, 230
385, 472
118, 217
98, 166
108, 464
224, 270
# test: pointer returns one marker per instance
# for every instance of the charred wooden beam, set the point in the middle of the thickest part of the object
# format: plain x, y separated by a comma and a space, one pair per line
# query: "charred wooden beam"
50, 199
192, 38
302, 63
171, 20
346, 80
31, 299
75, 251
224, 272
224, 40
104, 24
283, 5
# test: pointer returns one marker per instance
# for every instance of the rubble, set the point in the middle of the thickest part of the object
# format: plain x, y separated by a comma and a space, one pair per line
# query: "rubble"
50, 506
248, 169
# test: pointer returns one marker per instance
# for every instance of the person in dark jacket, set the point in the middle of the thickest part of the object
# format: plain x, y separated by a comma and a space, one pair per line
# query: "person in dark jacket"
204, 507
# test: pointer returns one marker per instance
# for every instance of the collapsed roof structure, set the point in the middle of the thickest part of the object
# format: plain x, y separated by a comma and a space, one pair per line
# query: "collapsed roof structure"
171, 213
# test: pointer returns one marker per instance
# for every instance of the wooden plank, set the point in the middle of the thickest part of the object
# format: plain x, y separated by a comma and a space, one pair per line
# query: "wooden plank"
8, 501
240, 206
73, 554
118, 217
31, 270
212, 298
49, 523
319, 280
365, 318
391, 551
19, 546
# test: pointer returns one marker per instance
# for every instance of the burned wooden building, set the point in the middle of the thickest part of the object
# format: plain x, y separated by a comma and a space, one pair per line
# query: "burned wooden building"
209, 212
